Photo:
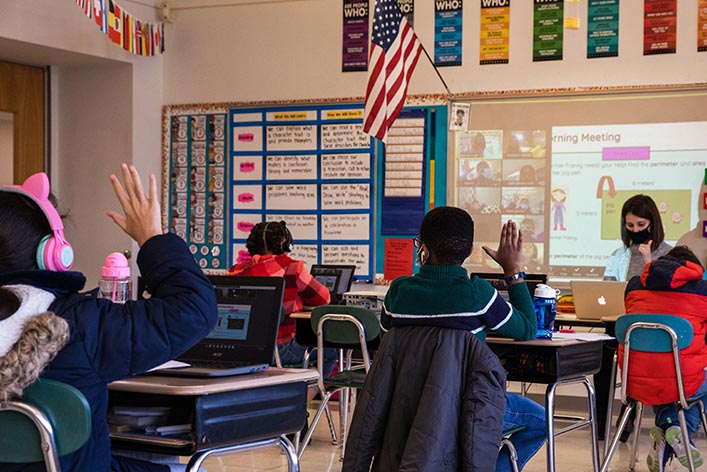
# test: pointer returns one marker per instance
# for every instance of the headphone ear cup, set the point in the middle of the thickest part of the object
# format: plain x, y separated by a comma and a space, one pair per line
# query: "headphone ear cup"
53, 253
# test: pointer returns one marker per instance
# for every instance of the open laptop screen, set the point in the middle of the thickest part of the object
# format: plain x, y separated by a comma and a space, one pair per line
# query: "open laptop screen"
336, 278
248, 319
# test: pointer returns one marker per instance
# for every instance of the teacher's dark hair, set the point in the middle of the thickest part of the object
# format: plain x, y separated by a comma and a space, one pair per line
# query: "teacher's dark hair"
643, 206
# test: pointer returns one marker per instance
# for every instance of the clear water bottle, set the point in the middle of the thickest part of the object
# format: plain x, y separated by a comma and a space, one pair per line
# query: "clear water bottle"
115, 284
545, 303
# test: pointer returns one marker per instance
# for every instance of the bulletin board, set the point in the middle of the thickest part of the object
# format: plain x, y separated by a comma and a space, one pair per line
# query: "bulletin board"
311, 166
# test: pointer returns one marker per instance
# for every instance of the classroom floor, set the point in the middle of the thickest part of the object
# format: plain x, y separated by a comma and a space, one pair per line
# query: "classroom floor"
573, 454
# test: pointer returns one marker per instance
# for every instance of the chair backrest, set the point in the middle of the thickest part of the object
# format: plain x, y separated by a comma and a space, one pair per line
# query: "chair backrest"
654, 333
51, 419
342, 332
651, 335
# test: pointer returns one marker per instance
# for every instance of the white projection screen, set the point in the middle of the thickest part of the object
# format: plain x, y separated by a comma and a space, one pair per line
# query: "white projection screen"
562, 165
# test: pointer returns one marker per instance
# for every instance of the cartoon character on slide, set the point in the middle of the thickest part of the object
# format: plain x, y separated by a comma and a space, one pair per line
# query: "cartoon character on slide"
558, 209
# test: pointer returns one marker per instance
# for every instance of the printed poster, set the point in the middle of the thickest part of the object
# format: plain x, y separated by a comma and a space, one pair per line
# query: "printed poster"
355, 41
407, 7
659, 26
495, 31
448, 34
702, 25
603, 28
548, 16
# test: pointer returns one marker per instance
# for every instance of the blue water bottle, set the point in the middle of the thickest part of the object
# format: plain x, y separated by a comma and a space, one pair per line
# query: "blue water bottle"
545, 303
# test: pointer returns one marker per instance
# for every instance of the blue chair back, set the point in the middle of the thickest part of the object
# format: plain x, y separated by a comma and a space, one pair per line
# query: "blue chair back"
654, 340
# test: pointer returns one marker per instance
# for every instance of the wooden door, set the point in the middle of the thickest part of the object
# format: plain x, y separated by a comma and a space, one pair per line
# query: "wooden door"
22, 93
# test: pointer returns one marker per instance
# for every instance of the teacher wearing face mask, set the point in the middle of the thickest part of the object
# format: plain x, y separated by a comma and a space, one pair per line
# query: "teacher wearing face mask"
643, 237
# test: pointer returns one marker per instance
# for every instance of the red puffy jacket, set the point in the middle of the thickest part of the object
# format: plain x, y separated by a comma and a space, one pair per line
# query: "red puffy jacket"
673, 287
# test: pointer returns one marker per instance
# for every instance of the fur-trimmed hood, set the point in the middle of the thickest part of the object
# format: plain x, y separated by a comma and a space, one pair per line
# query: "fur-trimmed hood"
29, 339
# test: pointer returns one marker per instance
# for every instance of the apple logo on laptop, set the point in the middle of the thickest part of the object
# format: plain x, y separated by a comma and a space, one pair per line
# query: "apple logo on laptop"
601, 300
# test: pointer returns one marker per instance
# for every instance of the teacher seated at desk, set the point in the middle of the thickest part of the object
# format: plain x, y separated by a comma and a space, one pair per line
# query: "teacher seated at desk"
47, 327
442, 294
269, 244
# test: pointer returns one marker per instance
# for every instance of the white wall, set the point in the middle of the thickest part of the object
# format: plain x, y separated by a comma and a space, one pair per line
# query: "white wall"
105, 109
292, 50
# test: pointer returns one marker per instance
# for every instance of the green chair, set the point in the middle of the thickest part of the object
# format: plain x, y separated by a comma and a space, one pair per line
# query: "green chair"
345, 328
51, 419
508, 445
652, 333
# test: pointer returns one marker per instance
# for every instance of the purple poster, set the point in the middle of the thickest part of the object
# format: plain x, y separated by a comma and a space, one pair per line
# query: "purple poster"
355, 43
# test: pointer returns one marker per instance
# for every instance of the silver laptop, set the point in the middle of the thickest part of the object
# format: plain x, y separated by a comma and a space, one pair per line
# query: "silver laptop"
594, 299
245, 335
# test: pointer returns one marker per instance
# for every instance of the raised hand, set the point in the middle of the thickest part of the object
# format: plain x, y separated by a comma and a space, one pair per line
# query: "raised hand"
508, 254
645, 251
142, 214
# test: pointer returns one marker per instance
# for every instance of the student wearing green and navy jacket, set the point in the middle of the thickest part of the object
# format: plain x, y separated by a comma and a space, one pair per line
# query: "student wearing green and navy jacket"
441, 294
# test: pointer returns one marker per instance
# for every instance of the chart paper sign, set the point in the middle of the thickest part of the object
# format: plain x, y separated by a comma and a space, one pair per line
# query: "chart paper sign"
702, 25
398, 258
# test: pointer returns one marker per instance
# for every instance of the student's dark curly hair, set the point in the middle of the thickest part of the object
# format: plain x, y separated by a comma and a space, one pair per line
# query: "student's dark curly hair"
269, 237
448, 232
684, 253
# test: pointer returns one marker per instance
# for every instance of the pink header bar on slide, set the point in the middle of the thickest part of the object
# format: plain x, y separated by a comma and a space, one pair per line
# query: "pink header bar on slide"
629, 153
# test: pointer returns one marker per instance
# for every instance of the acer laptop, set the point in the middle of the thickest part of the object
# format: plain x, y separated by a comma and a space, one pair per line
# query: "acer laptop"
596, 298
245, 335
336, 278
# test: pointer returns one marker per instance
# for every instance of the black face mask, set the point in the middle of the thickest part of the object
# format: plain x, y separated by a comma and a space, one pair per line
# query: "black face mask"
639, 237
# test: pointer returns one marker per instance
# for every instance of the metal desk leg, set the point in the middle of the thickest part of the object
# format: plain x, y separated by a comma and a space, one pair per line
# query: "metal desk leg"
579, 422
610, 405
292, 461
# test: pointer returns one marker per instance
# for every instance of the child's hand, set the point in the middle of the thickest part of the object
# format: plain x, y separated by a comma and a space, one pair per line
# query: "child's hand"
508, 254
142, 215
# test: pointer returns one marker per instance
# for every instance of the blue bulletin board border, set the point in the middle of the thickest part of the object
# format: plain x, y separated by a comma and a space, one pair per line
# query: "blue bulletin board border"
250, 129
435, 178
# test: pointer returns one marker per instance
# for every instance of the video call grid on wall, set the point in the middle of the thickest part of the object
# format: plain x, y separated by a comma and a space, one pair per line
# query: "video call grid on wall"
311, 166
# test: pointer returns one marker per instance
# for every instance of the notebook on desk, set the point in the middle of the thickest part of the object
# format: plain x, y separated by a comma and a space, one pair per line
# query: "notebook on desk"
245, 335
336, 278
594, 299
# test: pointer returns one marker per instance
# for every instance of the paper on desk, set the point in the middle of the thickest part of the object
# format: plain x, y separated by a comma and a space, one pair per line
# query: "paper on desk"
170, 365
582, 336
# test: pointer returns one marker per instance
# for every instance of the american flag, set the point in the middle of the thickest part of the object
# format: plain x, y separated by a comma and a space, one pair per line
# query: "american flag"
394, 53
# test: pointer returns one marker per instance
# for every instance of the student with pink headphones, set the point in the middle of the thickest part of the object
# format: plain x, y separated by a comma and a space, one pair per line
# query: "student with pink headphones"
48, 329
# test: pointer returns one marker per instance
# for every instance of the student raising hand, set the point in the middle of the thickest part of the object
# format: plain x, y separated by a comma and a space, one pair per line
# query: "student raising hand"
142, 213
509, 252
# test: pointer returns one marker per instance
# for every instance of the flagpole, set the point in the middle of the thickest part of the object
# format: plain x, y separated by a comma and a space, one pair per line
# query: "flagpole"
437, 71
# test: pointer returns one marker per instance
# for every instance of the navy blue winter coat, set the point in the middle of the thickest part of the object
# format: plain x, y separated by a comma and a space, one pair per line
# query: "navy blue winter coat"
110, 341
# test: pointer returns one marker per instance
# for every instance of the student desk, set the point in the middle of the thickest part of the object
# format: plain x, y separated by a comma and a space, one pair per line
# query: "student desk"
561, 361
227, 414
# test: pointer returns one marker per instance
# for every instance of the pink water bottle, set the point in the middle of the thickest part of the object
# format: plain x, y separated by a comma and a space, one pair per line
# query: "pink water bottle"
115, 284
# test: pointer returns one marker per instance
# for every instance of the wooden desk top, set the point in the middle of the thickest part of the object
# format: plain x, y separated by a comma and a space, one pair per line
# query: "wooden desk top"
558, 340
301, 315
165, 385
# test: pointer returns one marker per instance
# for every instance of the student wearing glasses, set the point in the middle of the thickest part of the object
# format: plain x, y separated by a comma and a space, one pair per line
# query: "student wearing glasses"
443, 295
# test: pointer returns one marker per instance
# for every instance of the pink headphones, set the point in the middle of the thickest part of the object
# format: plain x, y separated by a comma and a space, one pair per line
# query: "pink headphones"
54, 252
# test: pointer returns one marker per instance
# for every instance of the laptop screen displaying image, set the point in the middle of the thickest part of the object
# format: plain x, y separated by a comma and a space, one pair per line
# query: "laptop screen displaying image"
336, 278
248, 319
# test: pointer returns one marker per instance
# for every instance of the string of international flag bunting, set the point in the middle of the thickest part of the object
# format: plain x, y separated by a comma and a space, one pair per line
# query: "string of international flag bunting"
122, 28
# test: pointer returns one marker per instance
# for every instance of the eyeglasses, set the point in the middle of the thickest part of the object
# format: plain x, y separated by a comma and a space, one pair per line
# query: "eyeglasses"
417, 242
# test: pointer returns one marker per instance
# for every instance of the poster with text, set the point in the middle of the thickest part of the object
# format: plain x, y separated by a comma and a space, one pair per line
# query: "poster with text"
702, 25
355, 40
548, 26
659, 26
602, 28
495, 31
448, 33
